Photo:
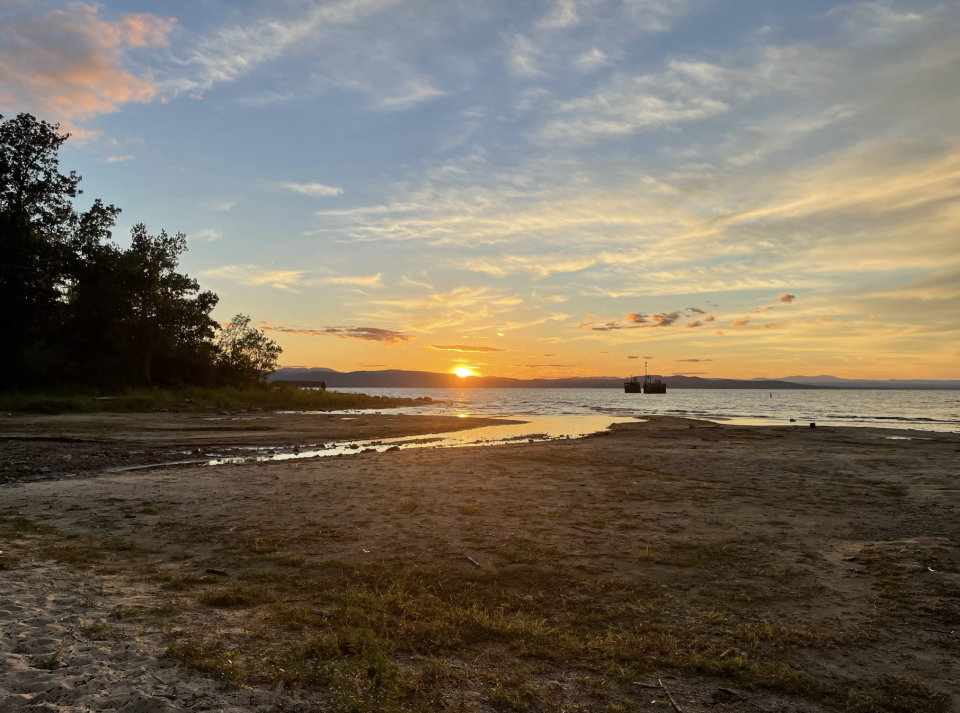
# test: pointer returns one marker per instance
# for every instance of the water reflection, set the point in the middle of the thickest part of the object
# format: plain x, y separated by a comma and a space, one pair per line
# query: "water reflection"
532, 429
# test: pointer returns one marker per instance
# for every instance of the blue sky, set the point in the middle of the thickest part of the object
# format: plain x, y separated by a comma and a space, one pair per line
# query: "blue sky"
538, 188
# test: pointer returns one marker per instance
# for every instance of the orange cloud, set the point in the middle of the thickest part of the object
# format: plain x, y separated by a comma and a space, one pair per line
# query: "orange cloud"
369, 334
785, 297
69, 64
740, 322
463, 348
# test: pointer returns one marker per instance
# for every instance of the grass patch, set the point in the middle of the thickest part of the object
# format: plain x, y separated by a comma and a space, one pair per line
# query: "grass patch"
896, 695
236, 597
191, 399
47, 663
71, 554
684, 553
101, 632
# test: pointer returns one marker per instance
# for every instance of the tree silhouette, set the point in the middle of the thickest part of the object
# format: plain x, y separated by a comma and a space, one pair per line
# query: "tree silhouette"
79, 308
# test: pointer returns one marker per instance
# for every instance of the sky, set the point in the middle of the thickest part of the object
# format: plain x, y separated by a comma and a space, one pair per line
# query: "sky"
531, 188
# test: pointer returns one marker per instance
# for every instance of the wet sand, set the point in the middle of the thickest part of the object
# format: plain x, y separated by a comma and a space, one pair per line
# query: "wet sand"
745, 568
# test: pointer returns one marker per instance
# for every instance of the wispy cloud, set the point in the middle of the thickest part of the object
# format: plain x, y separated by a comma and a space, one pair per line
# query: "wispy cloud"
208, 234
463, 348
347, 47
367, 334
312, 189
255, 275
118, 159
358, 281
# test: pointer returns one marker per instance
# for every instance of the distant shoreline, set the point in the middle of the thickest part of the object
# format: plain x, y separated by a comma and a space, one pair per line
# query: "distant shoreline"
672, 382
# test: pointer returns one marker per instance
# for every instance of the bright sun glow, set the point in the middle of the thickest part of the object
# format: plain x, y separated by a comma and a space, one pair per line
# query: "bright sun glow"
463, 372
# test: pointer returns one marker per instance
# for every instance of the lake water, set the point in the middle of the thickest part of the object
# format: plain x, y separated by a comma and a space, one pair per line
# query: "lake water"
921, 410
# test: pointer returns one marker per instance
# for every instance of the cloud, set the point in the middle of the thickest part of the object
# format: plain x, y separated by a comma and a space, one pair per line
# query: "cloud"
545, 366
665, 319
771, 325
875, 23
600, 352
522, 57
591, 60
630, 357
408, 280
254, 275
562, 14
635, 320
685, 92
695, 360
740, 322
457, 298
610, 326
234, 51
463, 348
208, 234
369, 334
118, 159
312, 189
339, 46
693, 325
544, 355
359, 281
70, 63
785, 297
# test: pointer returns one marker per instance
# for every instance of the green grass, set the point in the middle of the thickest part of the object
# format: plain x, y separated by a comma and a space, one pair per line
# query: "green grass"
189, 399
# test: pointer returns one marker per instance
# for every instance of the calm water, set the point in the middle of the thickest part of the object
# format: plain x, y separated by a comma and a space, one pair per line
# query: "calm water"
921, 410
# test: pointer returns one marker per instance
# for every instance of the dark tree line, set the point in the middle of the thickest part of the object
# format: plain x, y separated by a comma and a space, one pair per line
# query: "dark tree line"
81, 309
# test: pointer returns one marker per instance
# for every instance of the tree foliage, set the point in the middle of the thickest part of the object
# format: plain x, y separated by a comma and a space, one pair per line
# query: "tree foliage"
245, 352
81, 308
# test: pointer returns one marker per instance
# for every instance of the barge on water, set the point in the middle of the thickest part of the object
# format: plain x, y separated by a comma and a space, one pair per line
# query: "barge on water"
649, 385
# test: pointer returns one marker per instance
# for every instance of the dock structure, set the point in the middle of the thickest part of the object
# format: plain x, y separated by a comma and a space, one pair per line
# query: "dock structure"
632, 385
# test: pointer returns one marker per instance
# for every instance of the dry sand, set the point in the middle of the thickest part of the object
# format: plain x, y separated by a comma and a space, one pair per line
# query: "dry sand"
717, 556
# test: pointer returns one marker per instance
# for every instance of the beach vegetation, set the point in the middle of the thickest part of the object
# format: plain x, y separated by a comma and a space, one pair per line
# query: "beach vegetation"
186, 399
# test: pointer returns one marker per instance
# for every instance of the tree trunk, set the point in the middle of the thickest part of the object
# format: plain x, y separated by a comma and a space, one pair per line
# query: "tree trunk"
146, 366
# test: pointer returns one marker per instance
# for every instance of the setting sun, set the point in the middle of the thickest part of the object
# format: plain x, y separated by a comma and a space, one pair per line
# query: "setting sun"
463, 372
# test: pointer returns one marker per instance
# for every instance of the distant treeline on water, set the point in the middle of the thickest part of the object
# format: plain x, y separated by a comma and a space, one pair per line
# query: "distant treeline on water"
397, 378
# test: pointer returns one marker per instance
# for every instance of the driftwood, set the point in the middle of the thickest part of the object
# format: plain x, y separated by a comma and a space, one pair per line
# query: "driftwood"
670, 696
659, 685
474, 561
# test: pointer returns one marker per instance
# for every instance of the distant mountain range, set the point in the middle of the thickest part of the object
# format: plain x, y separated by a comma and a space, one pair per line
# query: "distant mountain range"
427, 379
836, 382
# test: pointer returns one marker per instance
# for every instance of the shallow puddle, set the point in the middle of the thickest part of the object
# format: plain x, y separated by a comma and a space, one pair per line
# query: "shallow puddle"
531, 429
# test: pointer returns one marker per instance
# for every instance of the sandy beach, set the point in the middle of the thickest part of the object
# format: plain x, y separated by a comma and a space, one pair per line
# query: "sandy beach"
666, 564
